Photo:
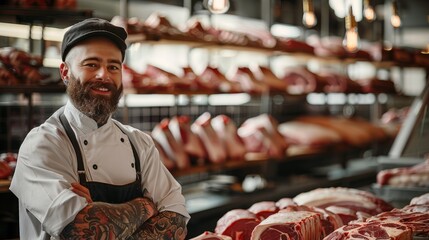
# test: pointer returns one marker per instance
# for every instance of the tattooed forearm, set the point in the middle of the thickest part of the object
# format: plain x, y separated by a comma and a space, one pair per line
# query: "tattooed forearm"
109, 221
166, 225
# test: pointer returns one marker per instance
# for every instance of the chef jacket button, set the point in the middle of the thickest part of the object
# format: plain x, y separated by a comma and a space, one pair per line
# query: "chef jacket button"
122, 140
132, 165
85, 142
95, 166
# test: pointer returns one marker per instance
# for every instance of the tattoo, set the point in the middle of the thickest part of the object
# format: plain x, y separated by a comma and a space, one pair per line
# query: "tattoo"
109, 221
166, 225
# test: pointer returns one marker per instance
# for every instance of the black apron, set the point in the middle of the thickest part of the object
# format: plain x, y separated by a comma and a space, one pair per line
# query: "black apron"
103, 192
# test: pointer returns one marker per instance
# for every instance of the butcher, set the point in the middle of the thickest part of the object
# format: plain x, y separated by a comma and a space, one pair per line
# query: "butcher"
82, 174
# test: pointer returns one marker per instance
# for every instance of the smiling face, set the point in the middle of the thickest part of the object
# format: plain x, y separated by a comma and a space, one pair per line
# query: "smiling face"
93, 70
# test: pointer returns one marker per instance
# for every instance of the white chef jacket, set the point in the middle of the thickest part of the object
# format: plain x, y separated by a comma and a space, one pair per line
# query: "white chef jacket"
47, 165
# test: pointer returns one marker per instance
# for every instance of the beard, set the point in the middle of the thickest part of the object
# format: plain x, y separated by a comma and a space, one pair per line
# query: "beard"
97, 107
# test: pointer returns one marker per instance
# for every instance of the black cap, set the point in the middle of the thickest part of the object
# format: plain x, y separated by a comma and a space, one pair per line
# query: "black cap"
93, 27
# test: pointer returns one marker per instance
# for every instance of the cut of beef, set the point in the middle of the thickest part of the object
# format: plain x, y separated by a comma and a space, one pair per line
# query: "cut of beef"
375, 230
300, 225
422, 199
415, 176
329, 220
418, 221
227, 132
260, 134
213, 146
264, 209
174, 149
349, 203
180, 127
237, 223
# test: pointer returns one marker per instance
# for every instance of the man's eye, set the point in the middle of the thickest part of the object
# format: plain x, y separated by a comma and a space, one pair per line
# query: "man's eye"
114, 67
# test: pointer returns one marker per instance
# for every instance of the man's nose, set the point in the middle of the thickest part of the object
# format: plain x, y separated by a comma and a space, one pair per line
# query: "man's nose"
103, 74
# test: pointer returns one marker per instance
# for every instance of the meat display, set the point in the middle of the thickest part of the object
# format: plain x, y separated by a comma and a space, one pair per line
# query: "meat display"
238, 224
289, 225
180, 127
339, 199
173, 148
336, 83
227, 132
372, 231
213, 145
417, 221
414, 176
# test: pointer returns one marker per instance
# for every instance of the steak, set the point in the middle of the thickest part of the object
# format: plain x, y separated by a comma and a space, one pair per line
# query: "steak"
347, 198
329, 220
299, 225
375, 230
237, 223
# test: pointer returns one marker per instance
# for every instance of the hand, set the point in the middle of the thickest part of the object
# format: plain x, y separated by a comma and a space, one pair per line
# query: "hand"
81, 191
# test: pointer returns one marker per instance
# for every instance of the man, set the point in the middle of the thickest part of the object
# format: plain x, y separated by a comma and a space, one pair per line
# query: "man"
84, 175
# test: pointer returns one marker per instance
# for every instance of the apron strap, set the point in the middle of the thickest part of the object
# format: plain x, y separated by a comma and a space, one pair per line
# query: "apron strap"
136, 156
72, 137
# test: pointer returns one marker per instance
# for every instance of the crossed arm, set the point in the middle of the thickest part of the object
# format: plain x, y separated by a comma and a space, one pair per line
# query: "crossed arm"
137, 219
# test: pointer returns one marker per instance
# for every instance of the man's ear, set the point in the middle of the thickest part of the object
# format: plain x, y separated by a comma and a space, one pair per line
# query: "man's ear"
64, 70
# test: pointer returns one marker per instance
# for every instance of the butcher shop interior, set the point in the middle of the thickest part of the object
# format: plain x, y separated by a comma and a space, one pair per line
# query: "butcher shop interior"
280, 119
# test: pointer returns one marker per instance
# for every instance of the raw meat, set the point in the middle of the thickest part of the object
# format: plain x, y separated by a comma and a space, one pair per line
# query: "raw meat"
264, 209
415, 176
248, 82
420, 200
375, 230
302, 81
237, 223
207, 235
264, 74
180, 127
216, 153
346, 198
174, 149
211, 78
299, 225
418, 221
260, 134
227, 132
329, 220
308, 134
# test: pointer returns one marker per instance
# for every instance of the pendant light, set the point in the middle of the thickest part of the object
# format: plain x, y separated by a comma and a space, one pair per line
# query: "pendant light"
308, 17
368, 11
395, 19
218, 6
351, 38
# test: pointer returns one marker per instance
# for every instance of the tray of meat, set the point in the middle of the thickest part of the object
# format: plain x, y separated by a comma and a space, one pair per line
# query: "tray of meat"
401, 179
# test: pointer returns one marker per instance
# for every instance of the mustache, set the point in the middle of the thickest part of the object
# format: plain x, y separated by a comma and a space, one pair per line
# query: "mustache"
97, 84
